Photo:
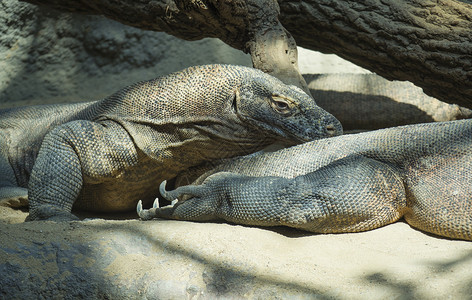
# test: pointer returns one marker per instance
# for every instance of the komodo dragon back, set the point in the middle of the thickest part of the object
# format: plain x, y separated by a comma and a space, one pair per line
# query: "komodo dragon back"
105, 155
348, 183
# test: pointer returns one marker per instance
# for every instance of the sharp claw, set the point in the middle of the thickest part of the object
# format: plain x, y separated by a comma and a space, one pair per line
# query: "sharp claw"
166, 194
139, 207
155, 211
143, 214
162, 188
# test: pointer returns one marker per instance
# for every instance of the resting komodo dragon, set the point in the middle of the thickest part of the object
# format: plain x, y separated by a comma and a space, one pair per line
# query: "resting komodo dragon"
106, 155
348, 183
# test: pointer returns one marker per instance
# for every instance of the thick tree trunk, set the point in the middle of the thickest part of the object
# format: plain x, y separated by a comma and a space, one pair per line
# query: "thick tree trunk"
426, 42
249, 25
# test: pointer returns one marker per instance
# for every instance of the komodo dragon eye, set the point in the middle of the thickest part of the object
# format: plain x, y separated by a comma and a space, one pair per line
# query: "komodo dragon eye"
280, 105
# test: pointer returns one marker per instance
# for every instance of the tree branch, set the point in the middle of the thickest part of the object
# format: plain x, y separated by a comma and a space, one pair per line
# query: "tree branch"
427, 42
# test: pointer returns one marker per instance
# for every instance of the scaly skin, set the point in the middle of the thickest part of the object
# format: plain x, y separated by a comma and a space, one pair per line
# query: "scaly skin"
105, 155
344, 184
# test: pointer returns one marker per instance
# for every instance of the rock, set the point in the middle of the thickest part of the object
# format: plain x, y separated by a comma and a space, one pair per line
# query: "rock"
368, 101
48, 56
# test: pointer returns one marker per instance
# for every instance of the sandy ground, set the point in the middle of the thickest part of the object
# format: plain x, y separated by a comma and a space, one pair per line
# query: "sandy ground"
393, 262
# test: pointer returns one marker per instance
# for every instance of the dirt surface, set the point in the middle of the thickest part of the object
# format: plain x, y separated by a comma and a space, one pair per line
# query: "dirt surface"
162, 259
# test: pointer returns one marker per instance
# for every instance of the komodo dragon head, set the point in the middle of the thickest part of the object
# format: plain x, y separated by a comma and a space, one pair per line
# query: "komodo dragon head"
283, 110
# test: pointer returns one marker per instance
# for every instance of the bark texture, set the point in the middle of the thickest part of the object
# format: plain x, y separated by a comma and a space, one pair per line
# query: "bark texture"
424, 41
249, 25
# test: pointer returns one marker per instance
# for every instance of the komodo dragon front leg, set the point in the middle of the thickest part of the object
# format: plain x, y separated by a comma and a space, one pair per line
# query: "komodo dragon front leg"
349, 195
75, 152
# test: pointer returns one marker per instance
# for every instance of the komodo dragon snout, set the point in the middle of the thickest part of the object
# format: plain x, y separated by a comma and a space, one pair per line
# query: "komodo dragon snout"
284, 110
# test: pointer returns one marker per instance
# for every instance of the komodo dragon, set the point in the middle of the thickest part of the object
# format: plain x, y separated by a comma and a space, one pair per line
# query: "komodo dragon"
106, 155
343, 184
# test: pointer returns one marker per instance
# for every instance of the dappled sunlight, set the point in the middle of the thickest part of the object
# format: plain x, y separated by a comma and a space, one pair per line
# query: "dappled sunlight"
161, 258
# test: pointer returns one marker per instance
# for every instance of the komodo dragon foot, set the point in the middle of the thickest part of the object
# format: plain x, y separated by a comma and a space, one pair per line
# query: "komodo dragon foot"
52, 213
202, 211
156, 211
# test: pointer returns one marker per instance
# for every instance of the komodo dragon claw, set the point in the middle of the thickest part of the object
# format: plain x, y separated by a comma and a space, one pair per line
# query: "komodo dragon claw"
144, 214
156, 210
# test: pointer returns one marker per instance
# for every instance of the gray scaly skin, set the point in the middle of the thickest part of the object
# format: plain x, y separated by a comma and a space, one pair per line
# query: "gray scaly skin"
105, 155
348, 183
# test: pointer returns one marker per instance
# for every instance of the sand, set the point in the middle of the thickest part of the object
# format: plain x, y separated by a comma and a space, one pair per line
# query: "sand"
178, 260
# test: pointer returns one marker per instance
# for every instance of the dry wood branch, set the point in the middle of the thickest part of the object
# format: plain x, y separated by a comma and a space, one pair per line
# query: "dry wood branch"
428, 42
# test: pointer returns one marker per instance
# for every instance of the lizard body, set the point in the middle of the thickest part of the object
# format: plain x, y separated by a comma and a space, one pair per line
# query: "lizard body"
105, 155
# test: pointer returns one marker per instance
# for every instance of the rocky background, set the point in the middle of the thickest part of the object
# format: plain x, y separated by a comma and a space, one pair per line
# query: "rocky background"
47, 57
